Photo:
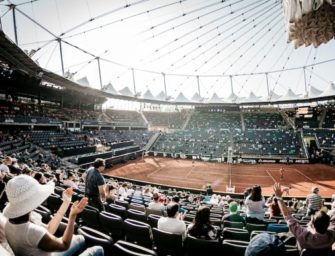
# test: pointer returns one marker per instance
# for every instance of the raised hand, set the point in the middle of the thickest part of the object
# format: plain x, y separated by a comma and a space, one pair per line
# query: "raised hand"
67, 195
277, 190
78, 207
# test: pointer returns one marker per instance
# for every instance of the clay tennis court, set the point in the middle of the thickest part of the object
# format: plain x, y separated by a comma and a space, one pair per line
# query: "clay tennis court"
182, 173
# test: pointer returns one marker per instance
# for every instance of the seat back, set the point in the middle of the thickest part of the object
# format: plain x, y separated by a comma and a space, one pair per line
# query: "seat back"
54, 202
232, 224
167, 243
117, 209
138, 232
195, 246
278, 228
90, 217
236, 234
123, 248
113, 225
251, 227
153, 220
122, 203
45, 213
136, 215
138, 207
235, 247
151, 211
94, 237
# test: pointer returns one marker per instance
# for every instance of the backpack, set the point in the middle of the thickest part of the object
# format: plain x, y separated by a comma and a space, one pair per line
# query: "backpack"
265, 244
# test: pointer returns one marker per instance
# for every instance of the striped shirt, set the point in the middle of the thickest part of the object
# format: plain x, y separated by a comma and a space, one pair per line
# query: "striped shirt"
313, 201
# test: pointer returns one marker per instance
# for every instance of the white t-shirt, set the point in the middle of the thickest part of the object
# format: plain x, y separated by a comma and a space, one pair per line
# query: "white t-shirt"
255, 209
156, 206
24, 238
172, 225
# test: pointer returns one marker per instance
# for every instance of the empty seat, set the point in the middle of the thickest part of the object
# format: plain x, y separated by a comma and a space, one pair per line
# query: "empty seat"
138, 232
196, 246
94, 237
138, 207
44, 212
136, 215
123, 248
167, 243
113, 225
117, 209
236, 234
235, 247
251, 227
90, 217
122, 203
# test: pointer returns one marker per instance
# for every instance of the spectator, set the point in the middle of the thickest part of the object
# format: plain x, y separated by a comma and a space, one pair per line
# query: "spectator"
26, 234
201, 226
146, 192
255, 205
111, 193
234, 214
70, 182
95, 185
123, 190
4, 166
173, 222
313, 201
40, 178
265, 244
318, 235
156, 204
274, 209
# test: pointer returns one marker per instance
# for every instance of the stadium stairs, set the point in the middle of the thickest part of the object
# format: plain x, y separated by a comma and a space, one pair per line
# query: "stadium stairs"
288, 120
151, 141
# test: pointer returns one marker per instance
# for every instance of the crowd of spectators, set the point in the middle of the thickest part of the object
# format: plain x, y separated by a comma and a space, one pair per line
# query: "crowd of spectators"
208, 216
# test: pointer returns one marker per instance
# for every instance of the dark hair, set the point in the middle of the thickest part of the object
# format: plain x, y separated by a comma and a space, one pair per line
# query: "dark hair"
202, 217
175, 199
98, 163
320, 221
256, 193
201, 223
172, 209
38, 176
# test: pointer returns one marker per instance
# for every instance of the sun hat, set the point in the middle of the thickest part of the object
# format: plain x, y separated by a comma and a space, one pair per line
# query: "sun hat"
233, 207
265, 244
24, 195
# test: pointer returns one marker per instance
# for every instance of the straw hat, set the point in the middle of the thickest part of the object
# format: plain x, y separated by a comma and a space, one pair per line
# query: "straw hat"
24, 195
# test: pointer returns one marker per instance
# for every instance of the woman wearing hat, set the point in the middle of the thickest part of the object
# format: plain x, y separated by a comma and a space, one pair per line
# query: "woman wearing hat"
27, 235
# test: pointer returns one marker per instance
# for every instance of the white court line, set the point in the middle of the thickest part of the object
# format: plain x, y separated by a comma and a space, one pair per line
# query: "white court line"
271, 176
313, 182
150, 174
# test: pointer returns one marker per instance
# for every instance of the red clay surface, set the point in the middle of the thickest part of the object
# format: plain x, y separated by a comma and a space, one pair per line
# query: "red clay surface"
181, 173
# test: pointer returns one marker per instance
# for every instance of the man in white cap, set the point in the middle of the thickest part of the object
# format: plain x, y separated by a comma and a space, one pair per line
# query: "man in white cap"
313, 201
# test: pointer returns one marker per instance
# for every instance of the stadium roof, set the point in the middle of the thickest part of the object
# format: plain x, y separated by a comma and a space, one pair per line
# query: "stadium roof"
223, 51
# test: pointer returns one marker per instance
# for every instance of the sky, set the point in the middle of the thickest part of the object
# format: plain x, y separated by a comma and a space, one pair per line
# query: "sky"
189, 41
